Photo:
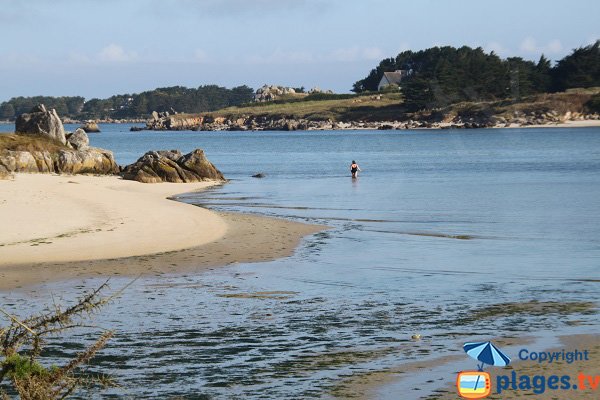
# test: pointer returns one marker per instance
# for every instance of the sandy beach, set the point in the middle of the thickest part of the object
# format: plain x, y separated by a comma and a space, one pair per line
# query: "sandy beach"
61, 227
588, 123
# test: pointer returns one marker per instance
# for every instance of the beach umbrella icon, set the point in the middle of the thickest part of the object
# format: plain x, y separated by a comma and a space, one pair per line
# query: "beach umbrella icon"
487, 353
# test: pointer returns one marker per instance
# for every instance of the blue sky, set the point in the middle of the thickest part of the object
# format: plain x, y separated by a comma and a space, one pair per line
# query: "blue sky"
96, 48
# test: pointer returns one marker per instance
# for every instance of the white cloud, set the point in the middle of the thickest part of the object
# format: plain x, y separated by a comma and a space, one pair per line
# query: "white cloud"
115, 53
356, 53
19, 59
349, 54
497, 48
282, 57
404, 46
555, 46
200, 56
372, 53
228, 8
79, 58
17, 62
529, 45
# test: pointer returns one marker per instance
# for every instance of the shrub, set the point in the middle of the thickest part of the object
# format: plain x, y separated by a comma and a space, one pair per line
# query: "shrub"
593, 104
21, 344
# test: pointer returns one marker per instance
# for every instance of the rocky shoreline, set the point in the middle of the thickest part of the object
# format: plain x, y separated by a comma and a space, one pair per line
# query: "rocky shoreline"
41, 145
95, 121
178, 122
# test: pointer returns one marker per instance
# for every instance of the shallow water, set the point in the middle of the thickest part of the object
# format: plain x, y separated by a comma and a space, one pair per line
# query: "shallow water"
438, 225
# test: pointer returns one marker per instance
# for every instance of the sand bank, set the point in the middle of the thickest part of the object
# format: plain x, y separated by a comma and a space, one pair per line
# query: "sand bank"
51, 218
62, 227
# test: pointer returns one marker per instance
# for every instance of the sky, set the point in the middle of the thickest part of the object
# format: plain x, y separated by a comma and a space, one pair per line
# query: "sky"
97, 48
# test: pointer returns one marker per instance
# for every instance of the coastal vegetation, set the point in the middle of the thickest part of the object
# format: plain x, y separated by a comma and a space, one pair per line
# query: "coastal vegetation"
22, 351
440, 76
64, 105
593, 104
322, 107
387, 110
141, 105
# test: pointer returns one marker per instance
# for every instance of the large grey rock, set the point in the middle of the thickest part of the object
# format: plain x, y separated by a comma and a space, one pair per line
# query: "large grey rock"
90, 127
197, 163
42, 122
79, 140
26, 161
179, 122
89, 161
172, 166
4, 174
272, 92
317, 89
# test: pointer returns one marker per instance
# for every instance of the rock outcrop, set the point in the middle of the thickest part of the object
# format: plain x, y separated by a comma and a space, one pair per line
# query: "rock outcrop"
40, 146
172, 166
4, 174
317, 89
542, 109
176, 122
41, 122
67, 161
272, 92
89, 161
282, 123
264, 123
90, 127
79, 140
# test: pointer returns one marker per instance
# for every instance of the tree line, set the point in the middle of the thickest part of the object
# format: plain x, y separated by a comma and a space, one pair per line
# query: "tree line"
177, 98
440, 76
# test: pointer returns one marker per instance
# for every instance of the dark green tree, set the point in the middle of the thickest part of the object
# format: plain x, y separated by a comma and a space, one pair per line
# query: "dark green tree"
371, 82
449, 75
7, 111
419, 94
580, 69
522, 75
542, 78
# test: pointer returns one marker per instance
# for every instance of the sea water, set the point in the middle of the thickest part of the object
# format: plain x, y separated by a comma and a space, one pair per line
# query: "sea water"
438, 226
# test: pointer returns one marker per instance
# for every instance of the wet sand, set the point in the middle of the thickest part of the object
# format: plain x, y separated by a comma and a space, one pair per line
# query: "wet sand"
381, 384
560, 368
63, 227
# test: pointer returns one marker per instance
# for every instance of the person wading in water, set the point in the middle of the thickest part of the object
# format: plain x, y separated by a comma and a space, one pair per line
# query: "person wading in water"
354, 168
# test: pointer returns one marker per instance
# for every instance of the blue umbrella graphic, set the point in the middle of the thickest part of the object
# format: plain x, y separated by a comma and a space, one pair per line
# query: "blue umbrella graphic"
487, 353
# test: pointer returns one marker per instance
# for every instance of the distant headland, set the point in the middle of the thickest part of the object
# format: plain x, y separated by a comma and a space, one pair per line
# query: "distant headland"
440, 87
